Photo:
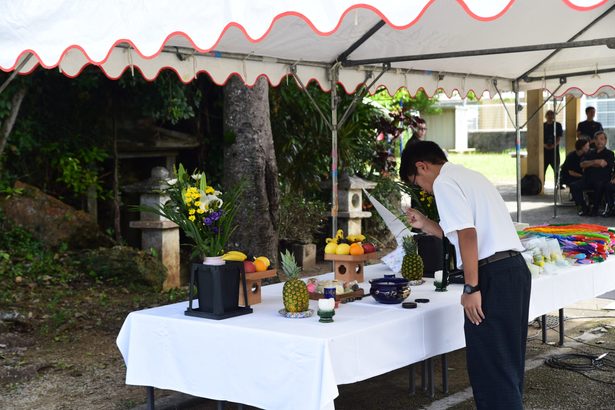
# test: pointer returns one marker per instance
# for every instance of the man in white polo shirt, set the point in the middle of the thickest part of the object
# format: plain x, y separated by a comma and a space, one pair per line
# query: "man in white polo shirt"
496, 294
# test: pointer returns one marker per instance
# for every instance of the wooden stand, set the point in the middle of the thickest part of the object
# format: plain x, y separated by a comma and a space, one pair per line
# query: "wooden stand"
253, 283
349, 267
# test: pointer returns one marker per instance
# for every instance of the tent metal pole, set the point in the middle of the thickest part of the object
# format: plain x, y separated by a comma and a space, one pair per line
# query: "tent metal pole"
359, 95
517, 148
334, 127
555, 163
293, 72
579, 33
607, 41
573, 74
15, 72
552, 95
360, 41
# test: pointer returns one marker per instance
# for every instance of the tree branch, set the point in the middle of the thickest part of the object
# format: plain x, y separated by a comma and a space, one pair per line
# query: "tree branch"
9, 122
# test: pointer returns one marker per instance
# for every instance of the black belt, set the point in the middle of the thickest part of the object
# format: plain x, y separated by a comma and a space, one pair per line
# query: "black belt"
498, 256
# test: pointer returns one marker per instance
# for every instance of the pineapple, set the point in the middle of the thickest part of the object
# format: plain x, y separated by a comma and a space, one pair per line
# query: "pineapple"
412, 264
295, 293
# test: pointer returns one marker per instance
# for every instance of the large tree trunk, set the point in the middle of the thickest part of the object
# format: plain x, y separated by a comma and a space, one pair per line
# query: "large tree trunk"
9, 122
251, 158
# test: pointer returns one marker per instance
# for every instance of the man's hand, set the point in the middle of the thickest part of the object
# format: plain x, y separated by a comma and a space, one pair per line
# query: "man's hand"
472, 306
602, 163
416, 219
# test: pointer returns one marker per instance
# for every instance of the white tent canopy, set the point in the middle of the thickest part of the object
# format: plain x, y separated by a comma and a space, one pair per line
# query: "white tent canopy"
268, 37
564, 46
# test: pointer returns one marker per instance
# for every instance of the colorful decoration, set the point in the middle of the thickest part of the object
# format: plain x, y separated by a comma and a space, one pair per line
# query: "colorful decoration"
584, 243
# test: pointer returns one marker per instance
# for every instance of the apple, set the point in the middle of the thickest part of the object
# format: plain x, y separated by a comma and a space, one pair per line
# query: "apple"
248, 266
368, 247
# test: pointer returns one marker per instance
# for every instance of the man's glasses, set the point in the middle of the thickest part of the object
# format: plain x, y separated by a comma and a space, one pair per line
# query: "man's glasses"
422, 128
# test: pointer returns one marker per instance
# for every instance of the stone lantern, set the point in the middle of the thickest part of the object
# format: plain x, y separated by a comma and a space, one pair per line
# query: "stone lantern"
157, 232
350, 200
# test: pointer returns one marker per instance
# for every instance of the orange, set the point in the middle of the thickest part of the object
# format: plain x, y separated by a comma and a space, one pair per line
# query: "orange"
260, 265
356, 249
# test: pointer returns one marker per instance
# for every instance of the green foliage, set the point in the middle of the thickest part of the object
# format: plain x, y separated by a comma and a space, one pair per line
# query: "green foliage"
302, 138
23, 256
80, 171
301, 219
166, 99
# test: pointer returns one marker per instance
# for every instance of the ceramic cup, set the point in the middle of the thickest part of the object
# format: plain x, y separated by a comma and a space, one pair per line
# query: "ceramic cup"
329, 292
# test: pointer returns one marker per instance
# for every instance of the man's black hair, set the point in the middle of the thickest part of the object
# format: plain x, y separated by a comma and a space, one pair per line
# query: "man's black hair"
589, 107
425, 151
580, 143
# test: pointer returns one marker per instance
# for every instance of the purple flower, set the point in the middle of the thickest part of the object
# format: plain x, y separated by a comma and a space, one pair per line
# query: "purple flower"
215, 229
208, 221
215, 216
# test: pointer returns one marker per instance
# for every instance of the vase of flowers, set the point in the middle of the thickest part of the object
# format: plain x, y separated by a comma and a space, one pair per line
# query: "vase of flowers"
206, 216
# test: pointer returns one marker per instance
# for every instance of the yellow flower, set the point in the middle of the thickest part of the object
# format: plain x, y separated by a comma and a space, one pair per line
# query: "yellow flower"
191, 211
192, 217
200, 211
197, 203
209, 190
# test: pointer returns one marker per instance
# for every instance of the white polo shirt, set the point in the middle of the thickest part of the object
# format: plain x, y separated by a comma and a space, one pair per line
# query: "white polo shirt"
466, 199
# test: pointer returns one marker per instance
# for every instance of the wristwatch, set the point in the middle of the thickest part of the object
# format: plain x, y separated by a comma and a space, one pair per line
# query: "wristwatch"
469, 289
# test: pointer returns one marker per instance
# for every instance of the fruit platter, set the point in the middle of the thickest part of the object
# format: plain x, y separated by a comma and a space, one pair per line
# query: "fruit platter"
344, 292
256, 269
348, 255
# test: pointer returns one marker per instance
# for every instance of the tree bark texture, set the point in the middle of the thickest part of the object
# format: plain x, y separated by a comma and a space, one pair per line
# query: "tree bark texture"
9, 122
251, 158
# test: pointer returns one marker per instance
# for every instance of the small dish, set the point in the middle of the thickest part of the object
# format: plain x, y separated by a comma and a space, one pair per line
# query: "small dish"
296, 315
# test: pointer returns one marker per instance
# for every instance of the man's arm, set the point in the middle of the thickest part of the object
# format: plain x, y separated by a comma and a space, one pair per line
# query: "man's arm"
468, 247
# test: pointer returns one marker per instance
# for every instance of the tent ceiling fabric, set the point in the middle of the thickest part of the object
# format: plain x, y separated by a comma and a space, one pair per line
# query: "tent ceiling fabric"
265, 37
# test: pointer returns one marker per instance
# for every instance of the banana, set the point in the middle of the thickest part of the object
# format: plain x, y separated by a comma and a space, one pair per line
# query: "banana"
264, 259
234, 256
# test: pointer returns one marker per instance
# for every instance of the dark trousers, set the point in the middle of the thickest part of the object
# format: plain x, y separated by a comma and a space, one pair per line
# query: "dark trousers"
495, 349
609, 193
577, 188
549, 160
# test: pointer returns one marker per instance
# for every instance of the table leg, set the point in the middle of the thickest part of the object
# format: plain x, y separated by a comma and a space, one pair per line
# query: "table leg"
561, 327
432, 387
543, 325
444, 373
150, 397
411, 381
424, 375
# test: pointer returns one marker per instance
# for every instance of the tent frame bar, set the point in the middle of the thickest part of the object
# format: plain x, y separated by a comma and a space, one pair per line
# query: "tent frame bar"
608, 41
583, 30
368, 34
563, 75
15, 72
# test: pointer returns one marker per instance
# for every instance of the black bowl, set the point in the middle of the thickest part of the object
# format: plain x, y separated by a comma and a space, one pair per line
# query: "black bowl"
389, 291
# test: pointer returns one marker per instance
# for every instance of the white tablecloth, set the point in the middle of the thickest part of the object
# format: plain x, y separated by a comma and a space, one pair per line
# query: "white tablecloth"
269, 361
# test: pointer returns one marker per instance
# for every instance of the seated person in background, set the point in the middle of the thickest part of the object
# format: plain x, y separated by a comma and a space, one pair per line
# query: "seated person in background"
571, 168
597, 167
609, 193
588, 128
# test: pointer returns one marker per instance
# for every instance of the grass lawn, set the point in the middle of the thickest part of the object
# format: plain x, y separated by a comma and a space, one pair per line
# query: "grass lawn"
499, 168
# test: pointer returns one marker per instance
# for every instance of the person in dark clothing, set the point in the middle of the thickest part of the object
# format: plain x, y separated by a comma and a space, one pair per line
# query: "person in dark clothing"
571, 170
597, 168
552, 132
420, 132
609, 193
588, 128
